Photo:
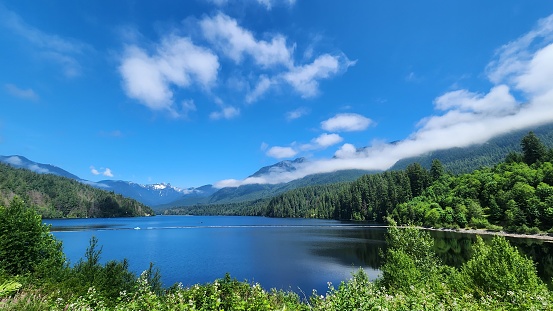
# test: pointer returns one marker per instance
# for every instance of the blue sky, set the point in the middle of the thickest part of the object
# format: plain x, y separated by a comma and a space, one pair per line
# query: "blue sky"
208, 91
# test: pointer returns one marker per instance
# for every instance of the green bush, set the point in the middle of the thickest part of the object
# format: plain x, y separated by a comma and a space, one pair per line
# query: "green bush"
26, 244
107, 280
499, 268
410, 259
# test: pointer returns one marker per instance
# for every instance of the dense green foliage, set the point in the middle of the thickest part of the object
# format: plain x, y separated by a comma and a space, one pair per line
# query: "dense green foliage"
516, 195
26, 245
58, 197
496, 277
371, 197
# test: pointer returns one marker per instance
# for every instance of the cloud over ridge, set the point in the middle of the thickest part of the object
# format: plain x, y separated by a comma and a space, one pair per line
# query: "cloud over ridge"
462, 117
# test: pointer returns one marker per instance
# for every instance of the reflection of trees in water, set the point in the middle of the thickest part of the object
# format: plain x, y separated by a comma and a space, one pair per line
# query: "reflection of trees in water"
456, 248
539, 251
353, 246
453, 248
361, 247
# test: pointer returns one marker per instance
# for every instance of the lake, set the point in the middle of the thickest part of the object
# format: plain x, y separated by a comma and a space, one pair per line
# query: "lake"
296, 254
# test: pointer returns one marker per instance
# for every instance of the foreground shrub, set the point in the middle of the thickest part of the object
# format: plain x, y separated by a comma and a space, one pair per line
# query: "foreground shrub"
26, 244
499, 268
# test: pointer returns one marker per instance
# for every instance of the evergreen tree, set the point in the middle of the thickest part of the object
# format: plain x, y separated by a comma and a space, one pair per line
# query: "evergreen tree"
533, 149
436, 170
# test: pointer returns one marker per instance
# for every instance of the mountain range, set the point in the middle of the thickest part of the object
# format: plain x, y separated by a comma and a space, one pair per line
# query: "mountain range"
161, 196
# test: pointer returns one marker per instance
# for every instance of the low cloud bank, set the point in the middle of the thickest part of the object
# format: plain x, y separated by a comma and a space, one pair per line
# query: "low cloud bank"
523, 67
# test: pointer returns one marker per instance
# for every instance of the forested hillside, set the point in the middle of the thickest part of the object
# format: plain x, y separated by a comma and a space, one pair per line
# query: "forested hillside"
515, 195
371, 197
247, 208
57, 197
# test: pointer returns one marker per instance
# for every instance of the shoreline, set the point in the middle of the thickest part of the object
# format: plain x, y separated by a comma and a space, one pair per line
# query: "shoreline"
540, 236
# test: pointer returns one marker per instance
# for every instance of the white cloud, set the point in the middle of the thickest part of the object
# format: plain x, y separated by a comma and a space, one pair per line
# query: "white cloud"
176, 62
281, 152
323, 141
346, 122
498, 100
346, 151
305, 79
94, 171
14, 160
235, 41
512, 58
37, 169
63, 51
462, 118
107, 172
273, 57
326, 140
262, 86
27, 94
270, 3
539, 73
228, 112
296, 114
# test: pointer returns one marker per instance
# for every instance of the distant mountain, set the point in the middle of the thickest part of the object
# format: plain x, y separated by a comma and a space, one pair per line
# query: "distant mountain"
18, 161
155, 194
280, 167
260, 191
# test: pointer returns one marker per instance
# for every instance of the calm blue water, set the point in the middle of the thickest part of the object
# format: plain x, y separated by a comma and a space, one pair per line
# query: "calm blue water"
296, 254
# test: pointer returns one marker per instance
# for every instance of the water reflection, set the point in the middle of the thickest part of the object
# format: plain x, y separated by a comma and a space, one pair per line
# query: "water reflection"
456, 248
359, 247
304, 253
